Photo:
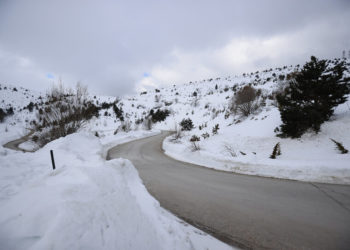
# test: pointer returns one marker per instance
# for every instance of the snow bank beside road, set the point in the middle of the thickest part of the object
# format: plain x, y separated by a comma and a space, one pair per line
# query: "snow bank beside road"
86, 203
313, 157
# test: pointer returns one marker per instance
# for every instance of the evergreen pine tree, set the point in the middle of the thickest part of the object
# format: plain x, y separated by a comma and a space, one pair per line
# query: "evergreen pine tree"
311, 97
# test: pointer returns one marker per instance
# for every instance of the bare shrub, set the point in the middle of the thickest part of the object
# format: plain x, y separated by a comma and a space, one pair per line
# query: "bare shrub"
215, 129
157, 98
205, 135
245, 101
125, 126
194, 143
177, 135
147, 123
63, 113
229, 149
195, 101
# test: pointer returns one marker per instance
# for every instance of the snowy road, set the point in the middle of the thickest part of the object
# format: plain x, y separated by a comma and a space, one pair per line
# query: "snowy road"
245, 211
14, 145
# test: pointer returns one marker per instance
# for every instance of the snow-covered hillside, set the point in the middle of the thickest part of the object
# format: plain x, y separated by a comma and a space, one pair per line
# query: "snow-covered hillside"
17, 99
87, 202
88, 196
244, 144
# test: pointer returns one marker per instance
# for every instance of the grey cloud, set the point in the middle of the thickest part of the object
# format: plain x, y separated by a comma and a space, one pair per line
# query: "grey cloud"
110, 44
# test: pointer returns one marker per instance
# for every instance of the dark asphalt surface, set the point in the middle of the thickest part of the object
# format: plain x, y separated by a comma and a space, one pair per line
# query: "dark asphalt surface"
245, 211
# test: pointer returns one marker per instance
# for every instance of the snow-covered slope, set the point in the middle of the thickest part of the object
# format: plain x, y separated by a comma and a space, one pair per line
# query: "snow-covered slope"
244, 144
86, 203
17, 99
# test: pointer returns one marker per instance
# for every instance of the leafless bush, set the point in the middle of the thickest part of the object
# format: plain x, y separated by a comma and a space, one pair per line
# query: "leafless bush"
157, 98
215, 129
147, 123
229, 149
125, 126
205, 135
195, 101
245, 101
63, 113
194, 143
178, 134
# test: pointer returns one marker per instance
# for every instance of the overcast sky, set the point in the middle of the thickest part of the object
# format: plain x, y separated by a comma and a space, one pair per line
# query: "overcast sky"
119, 47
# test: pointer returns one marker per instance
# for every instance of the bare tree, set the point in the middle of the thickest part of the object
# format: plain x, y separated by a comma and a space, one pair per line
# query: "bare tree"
147, 123
81, 92
244, 101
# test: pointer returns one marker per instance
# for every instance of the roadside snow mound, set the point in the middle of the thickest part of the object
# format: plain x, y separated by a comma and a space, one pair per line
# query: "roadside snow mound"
86, 203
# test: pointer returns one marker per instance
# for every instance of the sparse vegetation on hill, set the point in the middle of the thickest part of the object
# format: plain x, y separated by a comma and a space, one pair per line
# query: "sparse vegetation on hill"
63, 113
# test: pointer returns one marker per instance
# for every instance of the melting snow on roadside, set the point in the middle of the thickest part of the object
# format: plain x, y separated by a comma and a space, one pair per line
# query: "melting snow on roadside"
86, 203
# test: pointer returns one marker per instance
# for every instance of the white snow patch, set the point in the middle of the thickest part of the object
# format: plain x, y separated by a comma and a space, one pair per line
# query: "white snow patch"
86, 203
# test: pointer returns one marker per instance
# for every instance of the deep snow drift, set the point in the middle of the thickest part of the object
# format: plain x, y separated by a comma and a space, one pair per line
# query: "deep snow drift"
86, 203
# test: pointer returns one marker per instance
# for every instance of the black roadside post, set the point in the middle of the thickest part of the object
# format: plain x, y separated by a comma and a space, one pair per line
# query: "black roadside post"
52, 160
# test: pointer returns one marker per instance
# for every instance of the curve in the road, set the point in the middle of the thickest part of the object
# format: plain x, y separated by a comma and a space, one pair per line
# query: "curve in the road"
14, 145
245, 211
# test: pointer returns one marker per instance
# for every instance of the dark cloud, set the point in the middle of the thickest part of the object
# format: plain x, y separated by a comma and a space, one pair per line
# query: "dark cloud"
109, 45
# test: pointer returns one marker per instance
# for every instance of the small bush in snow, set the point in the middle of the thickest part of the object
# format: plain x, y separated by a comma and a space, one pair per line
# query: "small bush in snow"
147, 123
195, 101
125, 126
340, 147
2, 115
10, 111
230, 150
118, 112
186, 124
35, 138
177, 135
215, 129
195, 138
106, 105
194, 143
157, 98
205, 135
159, 115
276, 151
30, 106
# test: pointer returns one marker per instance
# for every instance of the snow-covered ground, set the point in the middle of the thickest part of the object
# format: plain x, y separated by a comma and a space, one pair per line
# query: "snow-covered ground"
91, 203
87, 202
246, 148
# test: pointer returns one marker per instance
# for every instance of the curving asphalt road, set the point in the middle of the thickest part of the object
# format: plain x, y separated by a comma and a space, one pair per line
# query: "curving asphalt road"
14, 145
245, 211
